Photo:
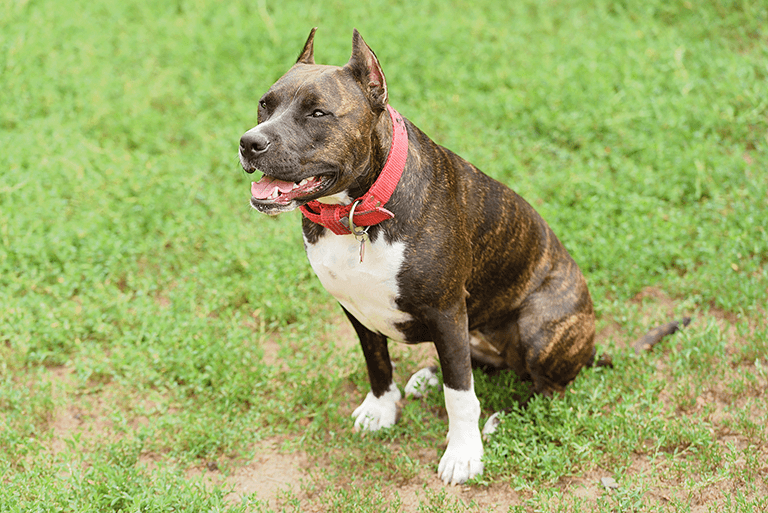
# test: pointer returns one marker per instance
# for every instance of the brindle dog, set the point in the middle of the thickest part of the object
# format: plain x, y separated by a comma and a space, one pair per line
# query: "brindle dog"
463, 261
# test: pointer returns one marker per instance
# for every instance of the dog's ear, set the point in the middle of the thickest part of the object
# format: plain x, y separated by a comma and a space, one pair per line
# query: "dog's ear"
366, 69
307, 55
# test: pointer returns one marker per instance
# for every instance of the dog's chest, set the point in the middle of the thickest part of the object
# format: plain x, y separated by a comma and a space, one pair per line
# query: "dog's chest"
367, 289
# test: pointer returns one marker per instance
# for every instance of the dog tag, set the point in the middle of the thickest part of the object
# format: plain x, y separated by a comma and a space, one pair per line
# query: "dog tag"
360, 234
362, 240
362, 249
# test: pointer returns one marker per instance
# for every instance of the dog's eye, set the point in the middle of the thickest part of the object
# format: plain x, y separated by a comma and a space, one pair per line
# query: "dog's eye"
262, 104
317, 113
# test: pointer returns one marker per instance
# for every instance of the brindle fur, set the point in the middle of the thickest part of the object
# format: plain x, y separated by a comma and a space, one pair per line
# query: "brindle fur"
503, 274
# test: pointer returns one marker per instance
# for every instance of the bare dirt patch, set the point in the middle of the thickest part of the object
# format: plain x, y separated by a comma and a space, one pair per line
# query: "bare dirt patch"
79, 413
494, 498
269, 478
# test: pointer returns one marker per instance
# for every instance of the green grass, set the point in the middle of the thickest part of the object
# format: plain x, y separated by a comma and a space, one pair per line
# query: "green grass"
150, 322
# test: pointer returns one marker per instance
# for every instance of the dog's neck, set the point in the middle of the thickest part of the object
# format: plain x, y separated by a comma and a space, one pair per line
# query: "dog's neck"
368, 207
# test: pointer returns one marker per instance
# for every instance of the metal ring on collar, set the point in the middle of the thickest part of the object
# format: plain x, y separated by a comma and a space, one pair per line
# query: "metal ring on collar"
356, 230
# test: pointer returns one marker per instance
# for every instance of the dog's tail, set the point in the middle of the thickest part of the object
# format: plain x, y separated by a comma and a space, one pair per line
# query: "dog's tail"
650, 339
647, 341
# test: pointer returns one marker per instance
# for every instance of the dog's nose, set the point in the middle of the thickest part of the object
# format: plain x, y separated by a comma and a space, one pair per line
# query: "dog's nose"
253, 143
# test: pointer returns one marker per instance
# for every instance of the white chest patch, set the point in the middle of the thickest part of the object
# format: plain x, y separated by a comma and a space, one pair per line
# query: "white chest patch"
367, 289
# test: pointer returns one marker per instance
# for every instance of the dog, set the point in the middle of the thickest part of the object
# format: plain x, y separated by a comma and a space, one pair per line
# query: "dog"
417, 245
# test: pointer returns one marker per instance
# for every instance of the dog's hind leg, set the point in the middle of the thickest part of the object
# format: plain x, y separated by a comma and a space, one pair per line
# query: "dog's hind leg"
491, 425
422, 382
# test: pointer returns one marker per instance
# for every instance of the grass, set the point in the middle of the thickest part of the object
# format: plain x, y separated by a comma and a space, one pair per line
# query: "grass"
152, 324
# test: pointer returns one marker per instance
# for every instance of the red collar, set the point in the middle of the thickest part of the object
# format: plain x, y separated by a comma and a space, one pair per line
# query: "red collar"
368, 208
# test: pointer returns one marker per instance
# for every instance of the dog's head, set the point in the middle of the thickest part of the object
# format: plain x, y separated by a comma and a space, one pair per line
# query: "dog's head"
315, 126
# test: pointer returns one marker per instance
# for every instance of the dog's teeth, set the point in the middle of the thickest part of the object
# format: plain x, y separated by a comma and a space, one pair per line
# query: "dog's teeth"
274, 194
303, 182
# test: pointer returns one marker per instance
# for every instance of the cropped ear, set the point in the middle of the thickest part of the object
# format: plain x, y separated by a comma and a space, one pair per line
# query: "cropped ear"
366, 68
307, 55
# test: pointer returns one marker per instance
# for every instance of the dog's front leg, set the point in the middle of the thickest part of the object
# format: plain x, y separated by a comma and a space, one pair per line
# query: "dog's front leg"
463, 456
379, 409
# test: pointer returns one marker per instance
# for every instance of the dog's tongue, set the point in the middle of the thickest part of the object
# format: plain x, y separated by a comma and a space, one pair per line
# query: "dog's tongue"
264, 188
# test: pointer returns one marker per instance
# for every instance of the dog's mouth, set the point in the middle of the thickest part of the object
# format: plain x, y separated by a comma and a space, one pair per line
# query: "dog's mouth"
271, 191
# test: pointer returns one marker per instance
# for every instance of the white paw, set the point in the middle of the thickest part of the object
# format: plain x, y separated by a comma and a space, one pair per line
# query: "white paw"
377, 412
461, 461
491, 425
463, 458
422, 382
